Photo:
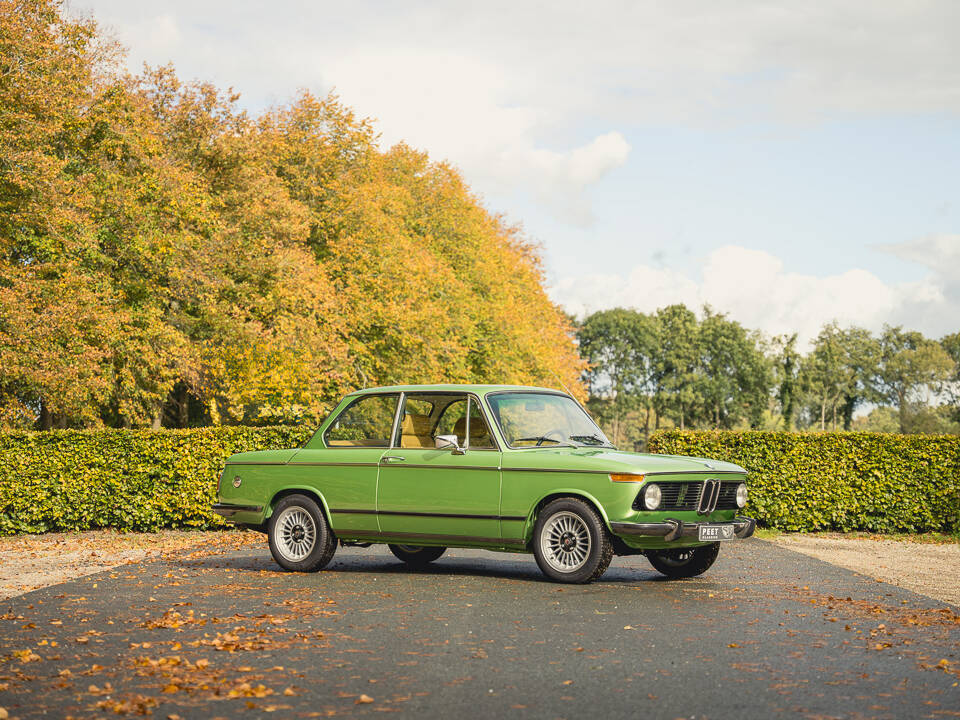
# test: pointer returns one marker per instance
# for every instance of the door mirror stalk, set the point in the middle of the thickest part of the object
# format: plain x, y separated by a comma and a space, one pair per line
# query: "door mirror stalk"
444, 442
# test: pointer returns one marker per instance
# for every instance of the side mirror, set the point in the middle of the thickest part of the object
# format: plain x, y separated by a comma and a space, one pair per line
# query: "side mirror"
444, 442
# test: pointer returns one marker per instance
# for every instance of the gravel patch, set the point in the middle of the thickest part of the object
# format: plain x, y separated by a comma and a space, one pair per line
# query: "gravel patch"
925, 568
30, 562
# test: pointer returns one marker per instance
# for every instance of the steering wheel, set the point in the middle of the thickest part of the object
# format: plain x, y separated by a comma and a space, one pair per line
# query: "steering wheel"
546, 435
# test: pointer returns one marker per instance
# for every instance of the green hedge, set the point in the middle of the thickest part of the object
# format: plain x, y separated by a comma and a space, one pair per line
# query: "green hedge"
145, 480
838, 481
124, 479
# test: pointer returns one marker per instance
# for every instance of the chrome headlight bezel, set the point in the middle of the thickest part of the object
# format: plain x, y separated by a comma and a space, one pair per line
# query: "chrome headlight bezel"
652, 496
742, 495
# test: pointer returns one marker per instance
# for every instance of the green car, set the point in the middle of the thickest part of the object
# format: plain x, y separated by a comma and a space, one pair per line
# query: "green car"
517, 469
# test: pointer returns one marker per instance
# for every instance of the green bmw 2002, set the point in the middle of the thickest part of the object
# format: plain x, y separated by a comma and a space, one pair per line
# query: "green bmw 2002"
517, 469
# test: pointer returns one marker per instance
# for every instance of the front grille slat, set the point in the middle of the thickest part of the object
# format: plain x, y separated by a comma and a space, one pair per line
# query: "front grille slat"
686, 496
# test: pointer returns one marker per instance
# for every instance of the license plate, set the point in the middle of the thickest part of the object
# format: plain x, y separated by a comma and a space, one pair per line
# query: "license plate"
713, 533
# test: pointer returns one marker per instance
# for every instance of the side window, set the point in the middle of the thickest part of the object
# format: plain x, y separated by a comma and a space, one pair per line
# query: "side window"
480, 437
367, 422
452, 420
415, 422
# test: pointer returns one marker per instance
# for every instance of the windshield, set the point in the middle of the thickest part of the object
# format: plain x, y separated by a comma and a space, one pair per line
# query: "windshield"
529, 419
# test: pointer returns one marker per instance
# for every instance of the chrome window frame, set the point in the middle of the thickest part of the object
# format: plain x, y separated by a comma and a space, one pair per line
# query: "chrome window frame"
470, 396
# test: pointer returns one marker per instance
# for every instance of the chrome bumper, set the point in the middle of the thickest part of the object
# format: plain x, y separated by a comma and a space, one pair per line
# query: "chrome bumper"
228, 510
671, 529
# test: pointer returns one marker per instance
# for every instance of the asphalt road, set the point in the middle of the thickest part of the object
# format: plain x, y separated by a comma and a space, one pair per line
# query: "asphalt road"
766, 633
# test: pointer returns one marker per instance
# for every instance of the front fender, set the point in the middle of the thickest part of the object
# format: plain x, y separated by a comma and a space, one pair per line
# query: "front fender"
558, 493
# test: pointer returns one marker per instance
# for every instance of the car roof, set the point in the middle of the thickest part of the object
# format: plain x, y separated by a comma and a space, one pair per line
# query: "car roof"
453, 387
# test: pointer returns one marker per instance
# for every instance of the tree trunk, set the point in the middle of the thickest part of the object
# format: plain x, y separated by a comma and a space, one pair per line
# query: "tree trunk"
823, 416
902, 401
183, 407
46, 419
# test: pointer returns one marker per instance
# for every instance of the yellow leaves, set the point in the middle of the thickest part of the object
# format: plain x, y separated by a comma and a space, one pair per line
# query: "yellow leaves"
245, 689
26, 656
363, 700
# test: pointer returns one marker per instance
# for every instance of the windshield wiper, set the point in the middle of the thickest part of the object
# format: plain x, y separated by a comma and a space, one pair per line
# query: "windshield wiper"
540, 439
590, 440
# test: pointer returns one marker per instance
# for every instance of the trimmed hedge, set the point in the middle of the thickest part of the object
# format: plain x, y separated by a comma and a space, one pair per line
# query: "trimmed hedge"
837, 481
147, 480
124, 479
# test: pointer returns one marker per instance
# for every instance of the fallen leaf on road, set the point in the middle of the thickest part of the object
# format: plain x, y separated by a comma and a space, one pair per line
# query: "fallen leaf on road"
363, 699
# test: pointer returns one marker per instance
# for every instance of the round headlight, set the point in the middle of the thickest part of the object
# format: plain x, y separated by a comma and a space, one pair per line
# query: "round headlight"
741, 495
651, 496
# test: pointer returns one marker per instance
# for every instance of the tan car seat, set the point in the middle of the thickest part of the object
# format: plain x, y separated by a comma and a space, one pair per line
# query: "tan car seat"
479, 433
415, 431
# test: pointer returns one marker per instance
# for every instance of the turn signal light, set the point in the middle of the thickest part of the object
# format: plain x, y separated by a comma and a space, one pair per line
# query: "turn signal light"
626, 477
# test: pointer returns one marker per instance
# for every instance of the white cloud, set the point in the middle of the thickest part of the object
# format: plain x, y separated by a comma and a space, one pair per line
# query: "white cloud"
753, 287
520, 97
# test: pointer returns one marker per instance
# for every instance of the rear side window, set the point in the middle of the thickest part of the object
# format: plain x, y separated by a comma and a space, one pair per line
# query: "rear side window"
366, 422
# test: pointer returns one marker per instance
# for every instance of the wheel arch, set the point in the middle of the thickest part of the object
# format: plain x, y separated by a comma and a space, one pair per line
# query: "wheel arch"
557, 494
310, 492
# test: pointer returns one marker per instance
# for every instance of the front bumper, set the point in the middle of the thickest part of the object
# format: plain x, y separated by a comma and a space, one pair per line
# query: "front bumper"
671, 529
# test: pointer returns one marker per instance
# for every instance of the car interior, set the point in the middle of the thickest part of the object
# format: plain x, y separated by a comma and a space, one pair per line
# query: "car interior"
425, 417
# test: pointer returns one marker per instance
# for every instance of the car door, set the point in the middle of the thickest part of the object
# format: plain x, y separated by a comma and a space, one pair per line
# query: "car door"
344, 462
440, 494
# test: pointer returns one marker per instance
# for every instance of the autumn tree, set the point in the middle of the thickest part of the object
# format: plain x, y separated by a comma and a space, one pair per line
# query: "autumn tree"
168, 259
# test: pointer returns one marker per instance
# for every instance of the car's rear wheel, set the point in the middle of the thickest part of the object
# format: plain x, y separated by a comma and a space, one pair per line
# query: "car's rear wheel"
684, 562
417, 555
570, 542
300, 539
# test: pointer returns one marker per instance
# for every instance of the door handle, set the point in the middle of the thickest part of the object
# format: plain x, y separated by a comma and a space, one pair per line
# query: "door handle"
391, 458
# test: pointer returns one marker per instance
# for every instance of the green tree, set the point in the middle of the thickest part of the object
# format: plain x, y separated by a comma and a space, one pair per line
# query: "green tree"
909, 365
619, 346
786, 368
735, 377
676, 365
836, 375
951, 344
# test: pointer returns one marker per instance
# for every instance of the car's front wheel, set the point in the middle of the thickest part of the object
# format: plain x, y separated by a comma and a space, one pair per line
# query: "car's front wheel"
684, 562
570, 542
300, 539
417, 555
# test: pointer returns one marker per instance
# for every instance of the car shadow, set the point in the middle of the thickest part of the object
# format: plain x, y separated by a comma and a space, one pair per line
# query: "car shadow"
482, 567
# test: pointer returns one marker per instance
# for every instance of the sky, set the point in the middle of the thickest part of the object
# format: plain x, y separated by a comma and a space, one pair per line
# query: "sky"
789, 164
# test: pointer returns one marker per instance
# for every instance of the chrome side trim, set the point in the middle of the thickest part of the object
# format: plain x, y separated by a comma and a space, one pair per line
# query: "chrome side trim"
505, 542
228, 509
464, 516
443, 467
339, 464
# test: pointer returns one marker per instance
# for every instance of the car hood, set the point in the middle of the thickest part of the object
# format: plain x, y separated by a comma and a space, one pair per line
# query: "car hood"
584, 459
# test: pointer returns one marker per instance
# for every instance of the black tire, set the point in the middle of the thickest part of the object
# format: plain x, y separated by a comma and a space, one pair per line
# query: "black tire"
291, 517
684, 562
597, 554
417, 556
